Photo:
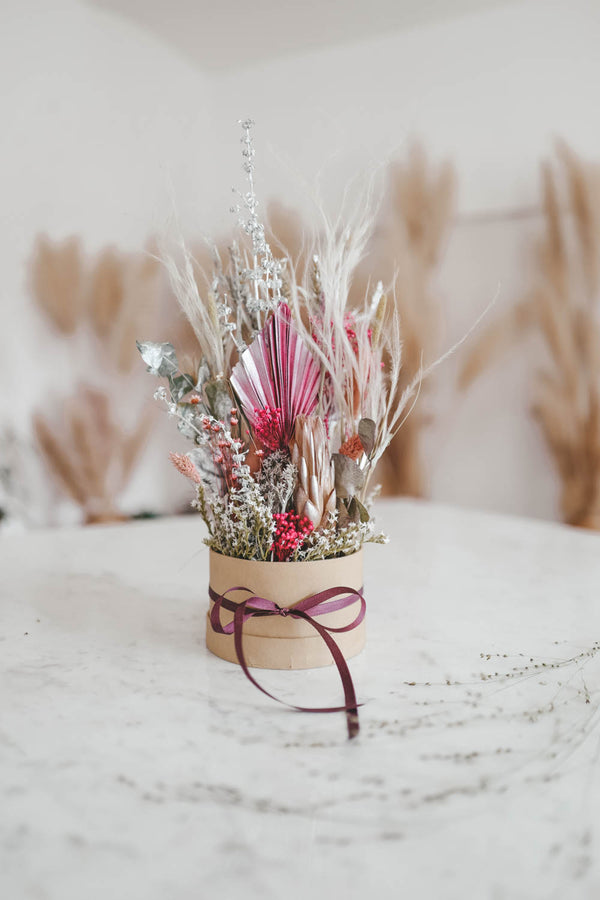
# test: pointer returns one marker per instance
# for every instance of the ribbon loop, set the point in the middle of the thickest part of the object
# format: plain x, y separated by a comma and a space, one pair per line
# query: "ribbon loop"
327, 601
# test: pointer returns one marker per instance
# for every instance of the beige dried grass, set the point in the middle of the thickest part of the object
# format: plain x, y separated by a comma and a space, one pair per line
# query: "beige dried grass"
56, 277
562, 306
117, 297
409, 245
88, 454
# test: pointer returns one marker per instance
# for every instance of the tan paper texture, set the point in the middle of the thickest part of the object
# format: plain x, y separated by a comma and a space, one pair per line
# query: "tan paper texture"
274, 642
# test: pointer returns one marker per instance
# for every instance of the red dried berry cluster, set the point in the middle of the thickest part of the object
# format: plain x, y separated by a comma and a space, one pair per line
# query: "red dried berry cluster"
268, 428
291, 531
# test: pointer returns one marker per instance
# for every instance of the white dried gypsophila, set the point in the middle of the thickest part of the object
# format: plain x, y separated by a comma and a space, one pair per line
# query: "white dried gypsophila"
242, 524
265, 273
277, 480
329, 542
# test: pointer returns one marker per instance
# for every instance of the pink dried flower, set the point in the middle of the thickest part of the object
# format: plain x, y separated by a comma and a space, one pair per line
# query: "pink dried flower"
185, 465
291, 530
268, 428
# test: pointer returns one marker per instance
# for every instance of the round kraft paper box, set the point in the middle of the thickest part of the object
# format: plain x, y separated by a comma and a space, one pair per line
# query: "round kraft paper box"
276, 642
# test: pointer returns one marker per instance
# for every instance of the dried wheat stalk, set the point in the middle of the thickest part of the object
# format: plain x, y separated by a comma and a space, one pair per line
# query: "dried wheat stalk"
89, 455
563, 307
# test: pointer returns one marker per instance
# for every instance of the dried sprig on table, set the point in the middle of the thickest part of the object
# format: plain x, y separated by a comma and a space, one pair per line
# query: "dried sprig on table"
562, 306
297, 395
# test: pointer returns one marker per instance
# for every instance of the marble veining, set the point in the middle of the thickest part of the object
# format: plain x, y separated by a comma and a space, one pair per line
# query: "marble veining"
135, 765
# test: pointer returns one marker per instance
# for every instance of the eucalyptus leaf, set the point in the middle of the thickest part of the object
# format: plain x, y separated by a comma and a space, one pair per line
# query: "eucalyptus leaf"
354, 511
161, 359
366, 433
349, 478
202, 376
363, 512
185, 422
180, 386
218, 399
344, 518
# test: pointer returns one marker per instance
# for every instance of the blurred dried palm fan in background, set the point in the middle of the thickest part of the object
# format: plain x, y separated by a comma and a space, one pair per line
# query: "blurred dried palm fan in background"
562, 306
89, 454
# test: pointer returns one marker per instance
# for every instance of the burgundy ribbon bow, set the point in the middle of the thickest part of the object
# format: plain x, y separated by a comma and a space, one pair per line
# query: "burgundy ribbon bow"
317, 605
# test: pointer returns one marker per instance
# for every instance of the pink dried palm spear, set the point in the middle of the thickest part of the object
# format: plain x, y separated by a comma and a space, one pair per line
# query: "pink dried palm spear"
276, 375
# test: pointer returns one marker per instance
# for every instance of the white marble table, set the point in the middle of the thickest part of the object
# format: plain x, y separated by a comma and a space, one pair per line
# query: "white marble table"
135, 765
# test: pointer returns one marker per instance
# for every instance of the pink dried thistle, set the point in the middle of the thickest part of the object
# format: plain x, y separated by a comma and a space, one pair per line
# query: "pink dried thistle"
185, 465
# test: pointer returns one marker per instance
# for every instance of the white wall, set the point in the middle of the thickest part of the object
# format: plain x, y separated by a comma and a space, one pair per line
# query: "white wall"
97, 116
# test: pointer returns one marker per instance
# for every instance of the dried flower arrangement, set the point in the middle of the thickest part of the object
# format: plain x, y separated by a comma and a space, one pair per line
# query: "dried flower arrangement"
296, 398
562, 306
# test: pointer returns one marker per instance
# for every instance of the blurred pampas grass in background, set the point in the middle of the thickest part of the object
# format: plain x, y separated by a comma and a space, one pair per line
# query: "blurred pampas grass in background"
562, 306
89, 454
96, 305
408, 248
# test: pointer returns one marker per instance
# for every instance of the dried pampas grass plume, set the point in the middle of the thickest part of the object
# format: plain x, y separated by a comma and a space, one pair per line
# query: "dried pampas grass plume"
562, 306
407, 249
106, 287
89, 455
57, 280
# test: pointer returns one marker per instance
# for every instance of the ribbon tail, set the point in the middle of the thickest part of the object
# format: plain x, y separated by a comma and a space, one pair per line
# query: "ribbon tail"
350, 707
342, 667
